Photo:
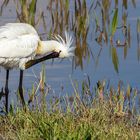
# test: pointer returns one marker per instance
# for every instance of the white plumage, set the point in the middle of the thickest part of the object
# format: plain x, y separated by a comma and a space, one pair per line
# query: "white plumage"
19, 43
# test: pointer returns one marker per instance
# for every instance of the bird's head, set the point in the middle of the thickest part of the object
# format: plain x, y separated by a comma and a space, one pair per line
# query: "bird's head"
62, 48
65, 47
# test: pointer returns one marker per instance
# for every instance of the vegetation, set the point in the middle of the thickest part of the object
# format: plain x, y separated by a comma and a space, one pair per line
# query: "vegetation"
91, 113
96, 19
99, 114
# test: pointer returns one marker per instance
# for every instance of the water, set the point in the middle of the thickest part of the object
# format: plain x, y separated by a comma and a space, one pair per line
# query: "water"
59, 74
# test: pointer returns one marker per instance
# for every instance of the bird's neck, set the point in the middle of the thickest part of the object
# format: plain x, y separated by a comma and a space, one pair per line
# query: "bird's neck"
46, 47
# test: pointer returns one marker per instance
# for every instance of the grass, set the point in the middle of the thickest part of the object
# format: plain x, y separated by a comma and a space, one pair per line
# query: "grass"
104, 116
98, 114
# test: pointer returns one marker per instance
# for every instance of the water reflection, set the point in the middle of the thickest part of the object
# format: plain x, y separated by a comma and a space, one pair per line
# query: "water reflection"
78, 16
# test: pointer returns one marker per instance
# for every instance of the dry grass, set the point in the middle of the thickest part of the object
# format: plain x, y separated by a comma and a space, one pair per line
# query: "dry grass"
105, 116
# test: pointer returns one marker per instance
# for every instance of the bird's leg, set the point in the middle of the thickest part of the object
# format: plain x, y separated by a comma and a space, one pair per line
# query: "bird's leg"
20, 89
6, 90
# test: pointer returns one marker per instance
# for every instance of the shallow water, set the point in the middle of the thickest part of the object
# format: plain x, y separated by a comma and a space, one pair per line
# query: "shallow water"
59, 74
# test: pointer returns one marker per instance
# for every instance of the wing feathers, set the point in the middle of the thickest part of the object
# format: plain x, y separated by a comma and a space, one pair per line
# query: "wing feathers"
13, 30
20, 47
18, 40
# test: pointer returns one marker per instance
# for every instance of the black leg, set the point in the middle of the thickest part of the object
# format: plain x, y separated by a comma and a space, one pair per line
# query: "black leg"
6, 90
20, 89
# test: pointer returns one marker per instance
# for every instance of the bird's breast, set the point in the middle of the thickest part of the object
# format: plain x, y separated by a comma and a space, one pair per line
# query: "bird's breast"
10, 63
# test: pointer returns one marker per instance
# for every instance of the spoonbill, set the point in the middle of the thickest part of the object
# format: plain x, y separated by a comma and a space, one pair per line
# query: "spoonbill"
21, 47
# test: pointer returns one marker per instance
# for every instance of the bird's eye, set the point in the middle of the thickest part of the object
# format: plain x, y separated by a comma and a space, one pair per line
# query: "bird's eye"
60, 51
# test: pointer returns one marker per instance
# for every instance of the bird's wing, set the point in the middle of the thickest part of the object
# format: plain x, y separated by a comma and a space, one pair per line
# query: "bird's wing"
13, 30
20, 47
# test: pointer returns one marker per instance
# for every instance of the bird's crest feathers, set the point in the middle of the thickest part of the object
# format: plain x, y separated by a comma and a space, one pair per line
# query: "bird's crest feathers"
67, 44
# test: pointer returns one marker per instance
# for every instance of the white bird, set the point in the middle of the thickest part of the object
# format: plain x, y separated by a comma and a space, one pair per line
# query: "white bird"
20, 44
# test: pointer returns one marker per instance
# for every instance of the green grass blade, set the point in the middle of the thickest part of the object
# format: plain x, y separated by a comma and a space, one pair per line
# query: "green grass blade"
138, 25
114, 22
32, 10
115, 59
